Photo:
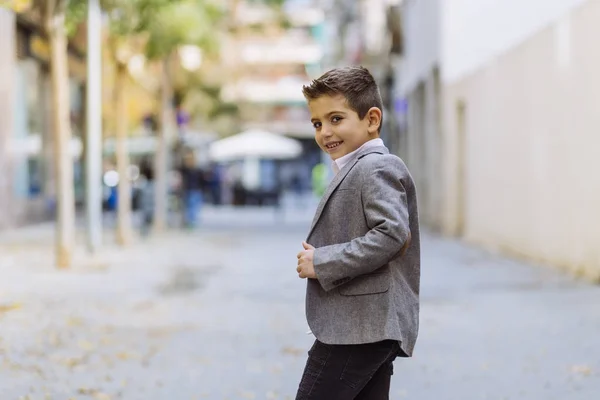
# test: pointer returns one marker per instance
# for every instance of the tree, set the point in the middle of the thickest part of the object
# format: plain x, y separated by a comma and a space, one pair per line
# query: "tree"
186, 22
128, 19
56, 16
156, 28
53, 14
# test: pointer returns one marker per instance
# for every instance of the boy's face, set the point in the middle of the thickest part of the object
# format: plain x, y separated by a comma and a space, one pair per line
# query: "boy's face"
338, 129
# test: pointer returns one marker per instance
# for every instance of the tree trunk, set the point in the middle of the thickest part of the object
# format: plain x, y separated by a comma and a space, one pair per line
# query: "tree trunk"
124, 230
65, 224
162, 151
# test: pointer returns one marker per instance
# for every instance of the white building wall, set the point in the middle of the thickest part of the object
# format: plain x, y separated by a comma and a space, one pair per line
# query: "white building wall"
528, 141
419, 83
519, 125
474, 32
464, 35
422, 34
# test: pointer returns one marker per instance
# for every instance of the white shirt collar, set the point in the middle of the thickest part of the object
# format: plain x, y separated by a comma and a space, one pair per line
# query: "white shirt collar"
344, 160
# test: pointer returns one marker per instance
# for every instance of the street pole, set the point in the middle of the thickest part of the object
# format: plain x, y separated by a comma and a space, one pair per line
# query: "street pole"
94, 128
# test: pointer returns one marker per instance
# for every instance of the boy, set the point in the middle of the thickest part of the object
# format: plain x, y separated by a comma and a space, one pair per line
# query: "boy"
363, 261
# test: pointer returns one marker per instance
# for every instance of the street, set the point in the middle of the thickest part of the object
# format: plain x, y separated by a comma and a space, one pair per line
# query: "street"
218, 313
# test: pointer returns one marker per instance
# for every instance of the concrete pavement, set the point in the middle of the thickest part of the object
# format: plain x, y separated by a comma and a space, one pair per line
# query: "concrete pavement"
219, 314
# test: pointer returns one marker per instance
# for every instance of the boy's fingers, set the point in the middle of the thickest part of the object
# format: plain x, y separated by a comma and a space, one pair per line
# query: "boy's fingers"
307, 246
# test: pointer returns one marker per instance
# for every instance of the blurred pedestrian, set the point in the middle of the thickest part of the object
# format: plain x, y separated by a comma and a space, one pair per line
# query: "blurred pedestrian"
192, 185
213, 182
363, 261
147, 195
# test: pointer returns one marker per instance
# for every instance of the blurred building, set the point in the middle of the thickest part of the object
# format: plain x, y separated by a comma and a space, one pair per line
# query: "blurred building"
503, 123
369, 33
269, 58
26, 138
269, 64
7, 55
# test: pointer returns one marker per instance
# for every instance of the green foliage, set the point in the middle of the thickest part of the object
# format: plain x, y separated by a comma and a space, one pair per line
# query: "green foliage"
131, 17
270, 3
213, 91
223, 109
202, 99
189, 22
76, 12
277, 5
168, 24
165, 24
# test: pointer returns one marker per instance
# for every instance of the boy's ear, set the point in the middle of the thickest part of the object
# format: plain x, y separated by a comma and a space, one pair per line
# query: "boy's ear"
374, 117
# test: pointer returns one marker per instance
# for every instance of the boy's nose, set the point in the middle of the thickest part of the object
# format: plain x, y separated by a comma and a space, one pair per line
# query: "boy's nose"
326, 131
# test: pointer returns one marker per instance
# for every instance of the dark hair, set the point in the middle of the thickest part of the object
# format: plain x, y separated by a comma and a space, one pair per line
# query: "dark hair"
356, 84
147, 169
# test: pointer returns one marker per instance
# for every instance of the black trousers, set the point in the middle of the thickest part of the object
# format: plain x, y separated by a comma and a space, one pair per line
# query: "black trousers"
348, 372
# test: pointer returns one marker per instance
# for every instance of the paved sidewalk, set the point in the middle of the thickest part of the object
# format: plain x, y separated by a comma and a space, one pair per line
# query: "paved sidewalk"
219, 314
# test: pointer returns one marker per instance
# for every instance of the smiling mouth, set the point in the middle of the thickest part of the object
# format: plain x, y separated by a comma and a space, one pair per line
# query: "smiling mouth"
333, 146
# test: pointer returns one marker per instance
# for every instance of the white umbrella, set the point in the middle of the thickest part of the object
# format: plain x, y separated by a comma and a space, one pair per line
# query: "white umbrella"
255, 144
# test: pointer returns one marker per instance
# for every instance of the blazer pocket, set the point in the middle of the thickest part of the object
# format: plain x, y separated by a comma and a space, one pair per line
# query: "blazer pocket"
374, 283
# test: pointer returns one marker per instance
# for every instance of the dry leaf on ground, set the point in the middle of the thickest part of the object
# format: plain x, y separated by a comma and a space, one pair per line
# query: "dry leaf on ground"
9, 307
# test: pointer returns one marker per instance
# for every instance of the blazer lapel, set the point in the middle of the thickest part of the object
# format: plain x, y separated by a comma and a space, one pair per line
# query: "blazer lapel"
338, 178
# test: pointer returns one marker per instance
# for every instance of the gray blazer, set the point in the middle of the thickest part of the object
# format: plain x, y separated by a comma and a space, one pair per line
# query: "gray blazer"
367, 256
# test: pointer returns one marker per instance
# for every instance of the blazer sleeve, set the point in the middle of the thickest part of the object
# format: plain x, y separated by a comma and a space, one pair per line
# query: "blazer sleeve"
386, 211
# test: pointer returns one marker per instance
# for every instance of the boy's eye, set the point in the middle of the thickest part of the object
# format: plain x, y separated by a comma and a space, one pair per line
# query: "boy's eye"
316, 125
336, 119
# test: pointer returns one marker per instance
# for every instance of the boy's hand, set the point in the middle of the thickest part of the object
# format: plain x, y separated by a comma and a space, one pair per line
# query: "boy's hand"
306, 268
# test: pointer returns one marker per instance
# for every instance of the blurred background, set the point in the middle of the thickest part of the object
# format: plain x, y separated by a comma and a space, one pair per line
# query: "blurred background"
159, 172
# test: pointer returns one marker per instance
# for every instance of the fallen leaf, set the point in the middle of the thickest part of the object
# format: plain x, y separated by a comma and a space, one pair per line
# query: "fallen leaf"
581, 369
72, 361
74, 321
9, 307
292, 351
125, 356
276, 369
85, 345
54, 340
